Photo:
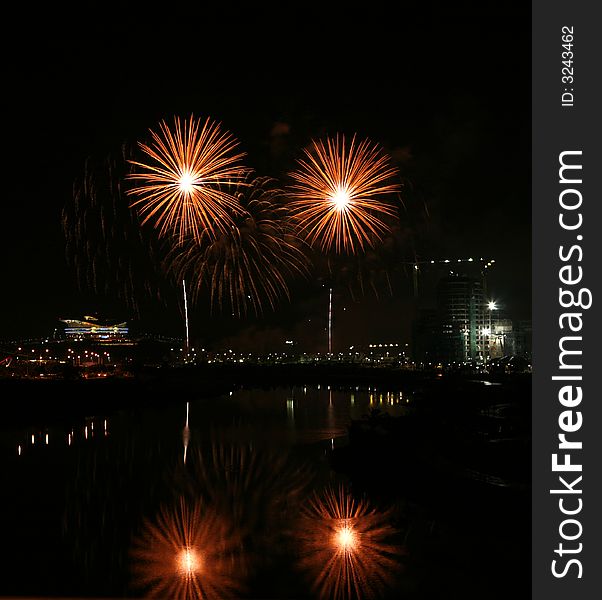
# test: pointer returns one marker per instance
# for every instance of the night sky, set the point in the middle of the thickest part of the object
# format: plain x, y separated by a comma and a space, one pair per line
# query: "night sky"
445, 92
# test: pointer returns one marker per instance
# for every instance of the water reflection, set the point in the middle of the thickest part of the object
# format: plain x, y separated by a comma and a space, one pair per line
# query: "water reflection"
249, 459
316, 415
290, 409
186, 432
60, 436
257, 486
187, 551
345, 546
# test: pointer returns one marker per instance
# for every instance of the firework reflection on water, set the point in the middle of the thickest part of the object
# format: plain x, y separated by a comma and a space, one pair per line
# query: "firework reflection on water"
257, 487
345, 546
187, 552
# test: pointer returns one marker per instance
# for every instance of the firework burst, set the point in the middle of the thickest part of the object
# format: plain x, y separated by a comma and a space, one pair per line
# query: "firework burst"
252, 263
345, 548
186, 553
179, 186
340, 194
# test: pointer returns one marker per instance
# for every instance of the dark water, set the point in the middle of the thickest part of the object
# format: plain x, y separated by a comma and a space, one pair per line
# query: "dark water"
78, 496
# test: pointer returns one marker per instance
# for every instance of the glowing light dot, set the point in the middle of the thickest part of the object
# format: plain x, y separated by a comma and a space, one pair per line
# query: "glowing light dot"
188, 562
186, 183
346, 538
341, 199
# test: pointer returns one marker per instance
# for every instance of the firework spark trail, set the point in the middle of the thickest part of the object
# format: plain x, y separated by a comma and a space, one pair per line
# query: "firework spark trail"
179, 187
254, 485
250, 264
339, 194
105, 243
345, 547
187, 552
378, 270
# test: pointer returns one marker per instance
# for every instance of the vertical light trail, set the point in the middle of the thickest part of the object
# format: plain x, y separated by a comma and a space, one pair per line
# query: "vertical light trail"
186, 315
186, 433
330, 321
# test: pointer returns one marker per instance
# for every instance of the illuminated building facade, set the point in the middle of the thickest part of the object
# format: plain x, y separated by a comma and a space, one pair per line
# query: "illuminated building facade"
91, 328
459, 329
462, 309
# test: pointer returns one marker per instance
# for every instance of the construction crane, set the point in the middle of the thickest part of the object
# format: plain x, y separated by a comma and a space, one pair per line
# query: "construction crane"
416, 266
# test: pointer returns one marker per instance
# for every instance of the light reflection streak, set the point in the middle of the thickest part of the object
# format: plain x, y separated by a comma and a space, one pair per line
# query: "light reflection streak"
290, 410
186, 432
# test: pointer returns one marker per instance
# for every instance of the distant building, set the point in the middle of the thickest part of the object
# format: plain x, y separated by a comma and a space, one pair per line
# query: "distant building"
461, 327
92, 328
462, 310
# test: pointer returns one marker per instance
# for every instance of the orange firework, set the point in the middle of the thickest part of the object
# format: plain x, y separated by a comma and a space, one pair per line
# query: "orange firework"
253, 262
179, 187
186, 553
345, 547
340, 194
